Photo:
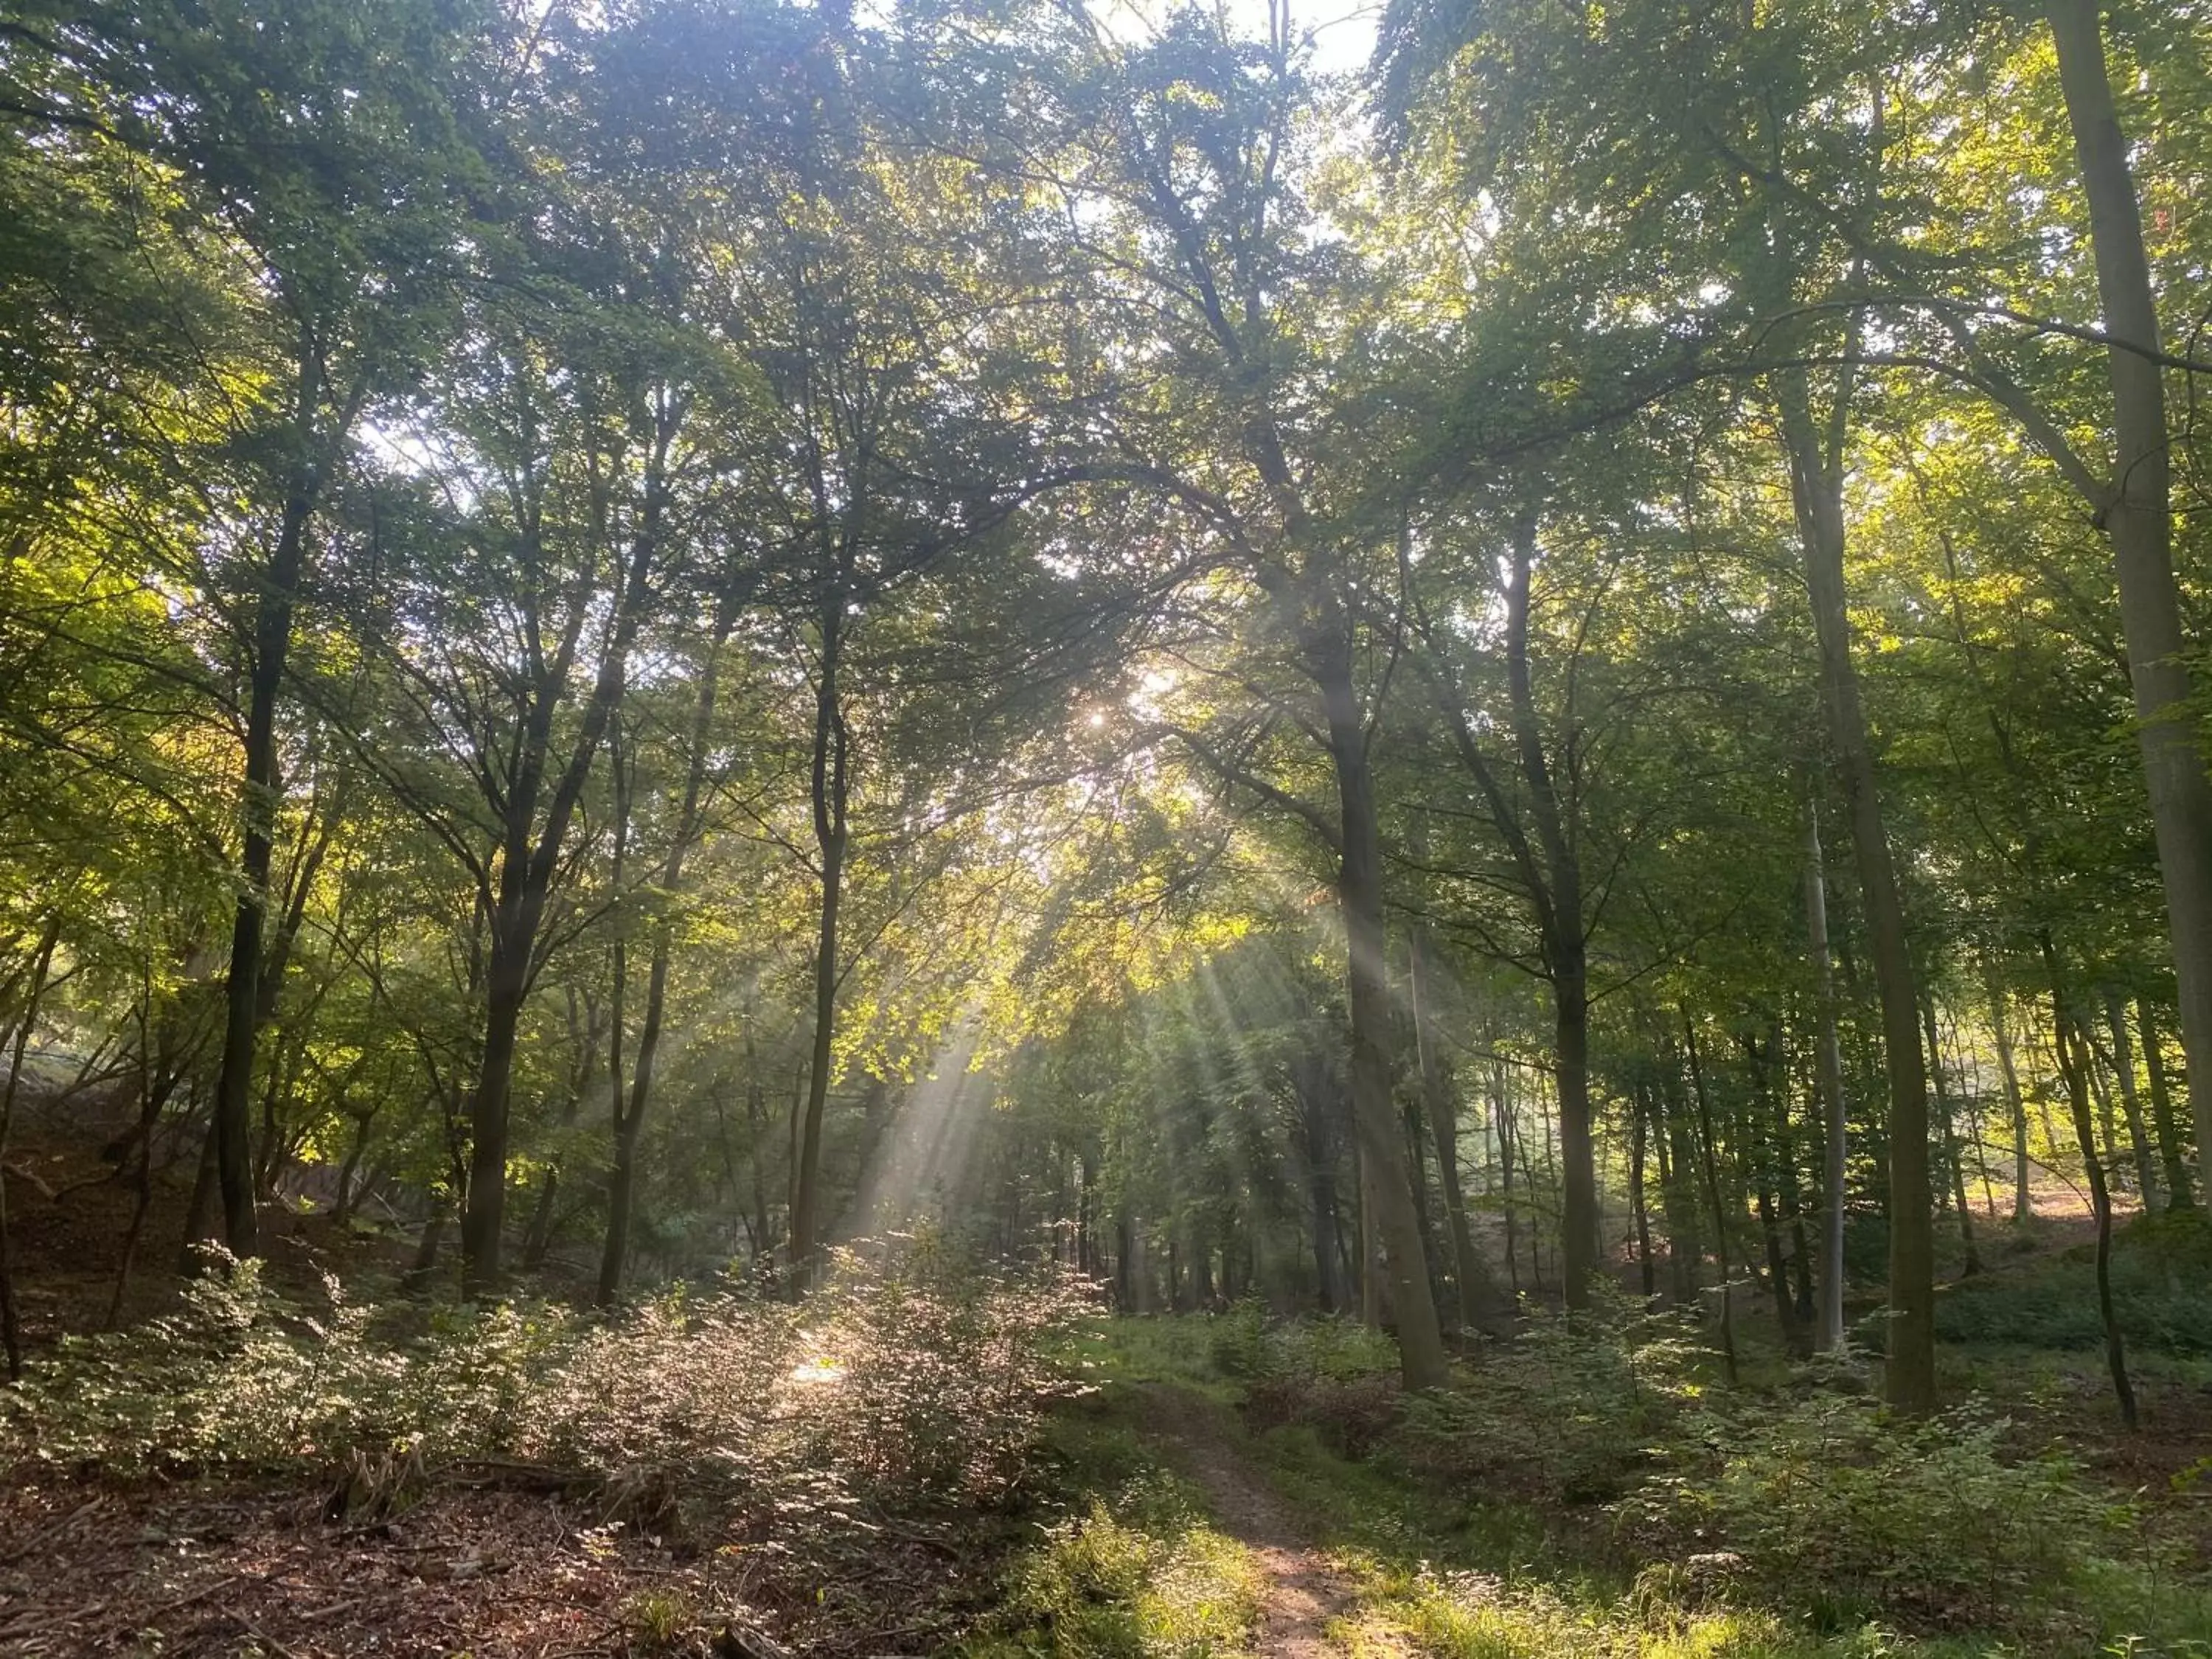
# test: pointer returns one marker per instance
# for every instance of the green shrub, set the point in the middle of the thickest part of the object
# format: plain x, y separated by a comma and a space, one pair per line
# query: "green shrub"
909, 1380
1238, 1347
1143, 1578
1571, 1411
2160, 1309
1840, 1514
1332, 1375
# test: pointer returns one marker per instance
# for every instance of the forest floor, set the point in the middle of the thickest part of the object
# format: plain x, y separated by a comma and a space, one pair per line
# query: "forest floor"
1271, 1545
1304, 1598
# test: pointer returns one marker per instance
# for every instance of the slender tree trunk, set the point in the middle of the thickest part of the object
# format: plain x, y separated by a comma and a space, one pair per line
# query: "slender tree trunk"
1678, 1192
507, 986
1310, 1082
1708, 1157
1973, 1262
11, 1330
1639, 1129
2023, 1206
1372, 1269
1816, 487
242, 1001
1359, 898
2178, 1195
202, 1228
1417, 1171
1767, 1118
2124, 1069
425, 1264
530, 862
2074, 1064
619, 1177
1502, 1105
1828, 1075
1559, 915
349, 1193
832, 839
1469, 1280
2137, 516
151, 1098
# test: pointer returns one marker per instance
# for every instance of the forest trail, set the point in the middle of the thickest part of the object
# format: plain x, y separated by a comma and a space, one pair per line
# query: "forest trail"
1304, 1594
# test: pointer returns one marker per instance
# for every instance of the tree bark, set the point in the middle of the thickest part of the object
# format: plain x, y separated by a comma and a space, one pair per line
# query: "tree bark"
830, 787
623, 1180
1375, 1120
2179, 1195
528, 864
2074, 1064
11, 1333
1470, 1282
1828, 1073
1816, 488
1639, 1129
2137, 516
1971, 1263
1559, 913
232, 1126
2023, 1206
1708, 1157
2124, 1070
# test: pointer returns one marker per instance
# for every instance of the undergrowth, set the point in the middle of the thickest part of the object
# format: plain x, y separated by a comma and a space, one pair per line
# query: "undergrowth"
1135, 1570
1587, 1490
906, 1383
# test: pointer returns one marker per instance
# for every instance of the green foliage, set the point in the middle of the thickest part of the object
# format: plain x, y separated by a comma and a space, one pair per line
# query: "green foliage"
1834, 1511
2159, 1293
1571, 1411
905, 1382
1332, 1375
1143, 1577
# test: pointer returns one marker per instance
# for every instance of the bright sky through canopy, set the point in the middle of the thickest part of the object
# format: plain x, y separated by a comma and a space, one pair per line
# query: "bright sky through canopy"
1343, 31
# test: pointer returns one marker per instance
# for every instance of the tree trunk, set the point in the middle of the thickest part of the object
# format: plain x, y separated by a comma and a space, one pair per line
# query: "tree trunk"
1708, 1157
1502, 1106
1375, 1120
348, 1195
418, 1277
11, 1333
1470, 1282
1417, 1172
530, 862
1679, 1195
1816, 488
2074, 1064
233, 1126
2124, 1069
1639, 1129
2023, 1206
2137, 516
1972, 1261
507, 985
1828, 1075
830, 787
2179, 1195
1559, 915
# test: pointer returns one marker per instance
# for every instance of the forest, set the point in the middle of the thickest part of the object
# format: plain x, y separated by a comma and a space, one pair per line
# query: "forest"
1054, 827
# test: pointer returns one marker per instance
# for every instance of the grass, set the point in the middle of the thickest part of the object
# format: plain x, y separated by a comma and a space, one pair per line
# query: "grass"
1135, 1568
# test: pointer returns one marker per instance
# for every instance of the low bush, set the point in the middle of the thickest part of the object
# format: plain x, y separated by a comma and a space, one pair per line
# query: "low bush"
1571, 1411
913, 1380
1332, 1375
1830, 1509
2054, 1305
1141, 1578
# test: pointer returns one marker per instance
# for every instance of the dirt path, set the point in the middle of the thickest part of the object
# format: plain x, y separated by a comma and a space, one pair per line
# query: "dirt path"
1304, 1592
